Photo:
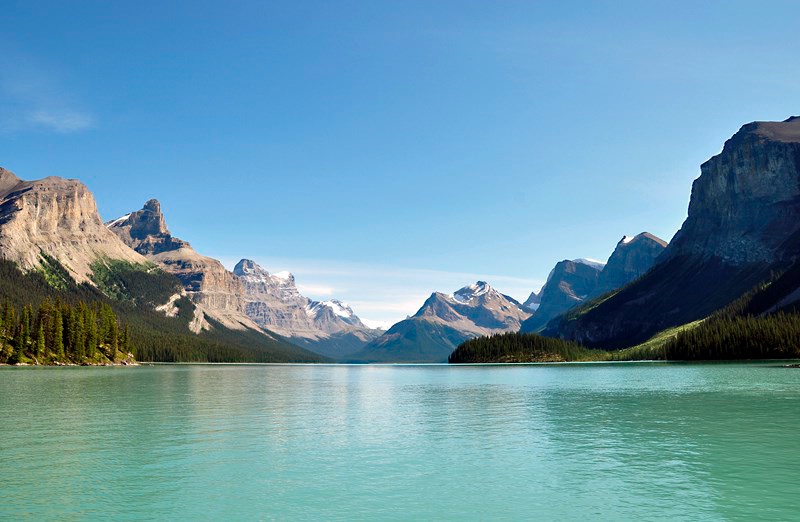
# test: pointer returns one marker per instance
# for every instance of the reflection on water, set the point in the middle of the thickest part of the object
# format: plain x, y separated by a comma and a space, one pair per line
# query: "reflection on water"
594, 441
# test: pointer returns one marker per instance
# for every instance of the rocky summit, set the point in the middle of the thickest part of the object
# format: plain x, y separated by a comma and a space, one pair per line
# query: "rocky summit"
56, 217
443, 322
273, 301
743, 224
631, 259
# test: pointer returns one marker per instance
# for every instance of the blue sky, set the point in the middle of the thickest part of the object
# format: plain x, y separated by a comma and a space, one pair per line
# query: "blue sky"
383, 150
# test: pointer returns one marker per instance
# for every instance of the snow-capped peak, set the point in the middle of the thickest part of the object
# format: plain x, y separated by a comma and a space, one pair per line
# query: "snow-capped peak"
627, 239
594, 263
337, 307
468, 293
284, 275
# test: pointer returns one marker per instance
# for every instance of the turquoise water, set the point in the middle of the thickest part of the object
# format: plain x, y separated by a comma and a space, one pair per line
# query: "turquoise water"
567, 442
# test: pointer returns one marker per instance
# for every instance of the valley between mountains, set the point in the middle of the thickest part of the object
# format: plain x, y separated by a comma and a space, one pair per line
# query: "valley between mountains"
77, 290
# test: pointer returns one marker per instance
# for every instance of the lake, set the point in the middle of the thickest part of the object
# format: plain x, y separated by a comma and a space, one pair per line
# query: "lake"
623, 441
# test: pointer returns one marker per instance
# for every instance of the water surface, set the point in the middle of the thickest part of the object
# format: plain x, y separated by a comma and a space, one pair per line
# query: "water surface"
568, 442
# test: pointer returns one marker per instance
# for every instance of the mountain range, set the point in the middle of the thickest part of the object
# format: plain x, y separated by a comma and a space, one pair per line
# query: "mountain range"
443, 322
741, 240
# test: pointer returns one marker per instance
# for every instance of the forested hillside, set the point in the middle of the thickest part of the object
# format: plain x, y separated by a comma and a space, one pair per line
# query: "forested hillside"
151, 335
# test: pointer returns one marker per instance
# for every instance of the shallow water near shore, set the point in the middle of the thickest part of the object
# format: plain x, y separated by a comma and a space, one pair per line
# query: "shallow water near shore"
573, 441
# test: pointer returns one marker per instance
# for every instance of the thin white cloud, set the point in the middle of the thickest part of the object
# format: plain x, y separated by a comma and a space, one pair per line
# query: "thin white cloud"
383, 325
34, 99
315, 290
62, 121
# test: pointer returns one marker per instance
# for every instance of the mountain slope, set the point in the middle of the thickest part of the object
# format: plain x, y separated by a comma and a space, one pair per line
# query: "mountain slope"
443, 322
743, 223
631, 259
273, 301
217, 293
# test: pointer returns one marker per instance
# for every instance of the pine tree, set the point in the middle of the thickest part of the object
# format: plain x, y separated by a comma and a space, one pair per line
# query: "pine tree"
58, 333
40, 346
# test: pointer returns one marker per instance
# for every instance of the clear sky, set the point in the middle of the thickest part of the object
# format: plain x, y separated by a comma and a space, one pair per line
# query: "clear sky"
382, 150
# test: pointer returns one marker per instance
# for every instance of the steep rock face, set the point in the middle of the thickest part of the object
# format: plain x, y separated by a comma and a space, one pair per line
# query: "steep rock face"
743, 222
216, 291
273, 301
631, 259
443, 322
569, 284
146, 230
745, 204
57, 217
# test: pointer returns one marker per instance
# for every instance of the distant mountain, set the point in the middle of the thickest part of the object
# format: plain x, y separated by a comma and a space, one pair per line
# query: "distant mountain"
743, 225
273, 301
569, 284
533, 301
58, 218
631, 259
573, 283
443, 322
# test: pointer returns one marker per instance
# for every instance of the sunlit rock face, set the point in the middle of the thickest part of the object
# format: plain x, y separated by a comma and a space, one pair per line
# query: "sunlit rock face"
273, 301
57, 217
216, 291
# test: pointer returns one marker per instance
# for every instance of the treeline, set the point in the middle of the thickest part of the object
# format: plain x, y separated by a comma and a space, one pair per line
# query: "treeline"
723, 336
57, 332
521, 348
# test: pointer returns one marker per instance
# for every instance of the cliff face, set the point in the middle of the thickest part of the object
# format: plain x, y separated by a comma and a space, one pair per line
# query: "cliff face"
274, 302
146, 230
216, 291
743, 222
746, 203
57, 217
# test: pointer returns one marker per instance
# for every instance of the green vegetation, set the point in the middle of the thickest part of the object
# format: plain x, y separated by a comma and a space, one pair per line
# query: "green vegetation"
774, 336
152, 336
144, 285
59, 333
522, 348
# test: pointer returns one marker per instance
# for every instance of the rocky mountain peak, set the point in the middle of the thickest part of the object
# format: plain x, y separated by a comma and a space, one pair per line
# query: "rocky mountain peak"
631, 259
629, 241
146, 231
8, 180
470, 292
251, 272
246, 267
152, 205
533, 301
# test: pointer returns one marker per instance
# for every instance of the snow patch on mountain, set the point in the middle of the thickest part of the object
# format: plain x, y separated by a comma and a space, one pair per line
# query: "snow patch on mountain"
594, 263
